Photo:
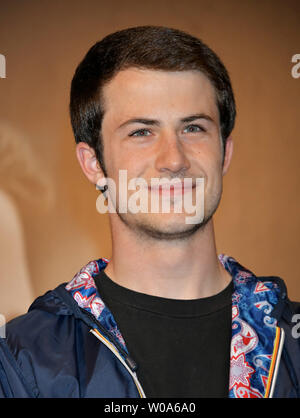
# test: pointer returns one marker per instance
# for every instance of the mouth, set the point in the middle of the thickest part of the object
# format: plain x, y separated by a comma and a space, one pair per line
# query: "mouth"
172, 189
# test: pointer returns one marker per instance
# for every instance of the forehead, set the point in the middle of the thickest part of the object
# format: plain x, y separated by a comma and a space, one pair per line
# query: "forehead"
143, 92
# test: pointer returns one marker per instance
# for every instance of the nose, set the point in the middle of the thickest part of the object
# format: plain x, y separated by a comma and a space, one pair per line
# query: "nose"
171, 157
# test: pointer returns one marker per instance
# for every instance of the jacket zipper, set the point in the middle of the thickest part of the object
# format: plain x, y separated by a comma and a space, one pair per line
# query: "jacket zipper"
116, 353
116, 348
277, 362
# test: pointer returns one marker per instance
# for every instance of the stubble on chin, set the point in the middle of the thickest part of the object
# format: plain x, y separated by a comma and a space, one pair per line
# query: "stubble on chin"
149, 230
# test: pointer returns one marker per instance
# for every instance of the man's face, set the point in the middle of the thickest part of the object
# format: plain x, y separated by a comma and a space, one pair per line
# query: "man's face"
160, 124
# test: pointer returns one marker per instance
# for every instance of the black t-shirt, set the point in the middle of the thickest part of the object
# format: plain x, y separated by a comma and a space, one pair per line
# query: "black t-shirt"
181, 347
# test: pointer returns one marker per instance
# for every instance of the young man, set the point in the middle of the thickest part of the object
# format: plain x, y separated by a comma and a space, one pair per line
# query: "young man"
166, 316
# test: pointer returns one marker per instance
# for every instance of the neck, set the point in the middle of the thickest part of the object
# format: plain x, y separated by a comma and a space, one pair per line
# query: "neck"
186, 269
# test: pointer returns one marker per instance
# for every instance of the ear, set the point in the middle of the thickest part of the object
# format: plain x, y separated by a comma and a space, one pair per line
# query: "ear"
89, 163
228, 154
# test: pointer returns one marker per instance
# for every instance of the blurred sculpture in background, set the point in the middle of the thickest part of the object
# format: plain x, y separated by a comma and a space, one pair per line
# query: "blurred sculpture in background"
22, 181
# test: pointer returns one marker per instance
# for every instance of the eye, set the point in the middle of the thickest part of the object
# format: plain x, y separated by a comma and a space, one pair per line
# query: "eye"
193, 129
141, 132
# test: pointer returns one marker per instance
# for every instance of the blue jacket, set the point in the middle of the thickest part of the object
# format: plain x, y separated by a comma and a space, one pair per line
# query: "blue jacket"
69, 345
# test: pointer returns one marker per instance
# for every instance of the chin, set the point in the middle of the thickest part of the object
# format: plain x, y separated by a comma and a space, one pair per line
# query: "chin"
171, 234
162, 226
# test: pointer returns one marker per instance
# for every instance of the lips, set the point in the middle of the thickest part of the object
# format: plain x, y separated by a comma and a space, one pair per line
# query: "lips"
172, 188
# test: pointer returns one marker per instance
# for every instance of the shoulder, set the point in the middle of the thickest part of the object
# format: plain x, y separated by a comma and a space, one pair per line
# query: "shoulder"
48, 325
37, 344
295, 307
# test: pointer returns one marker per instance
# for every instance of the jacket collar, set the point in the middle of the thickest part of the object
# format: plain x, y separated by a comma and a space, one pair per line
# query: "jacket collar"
256, 340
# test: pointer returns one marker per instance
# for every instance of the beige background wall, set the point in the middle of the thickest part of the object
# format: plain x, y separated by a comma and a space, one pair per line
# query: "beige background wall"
49, 226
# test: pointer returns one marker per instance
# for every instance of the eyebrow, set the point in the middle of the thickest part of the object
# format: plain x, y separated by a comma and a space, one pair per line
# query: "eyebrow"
146, 121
